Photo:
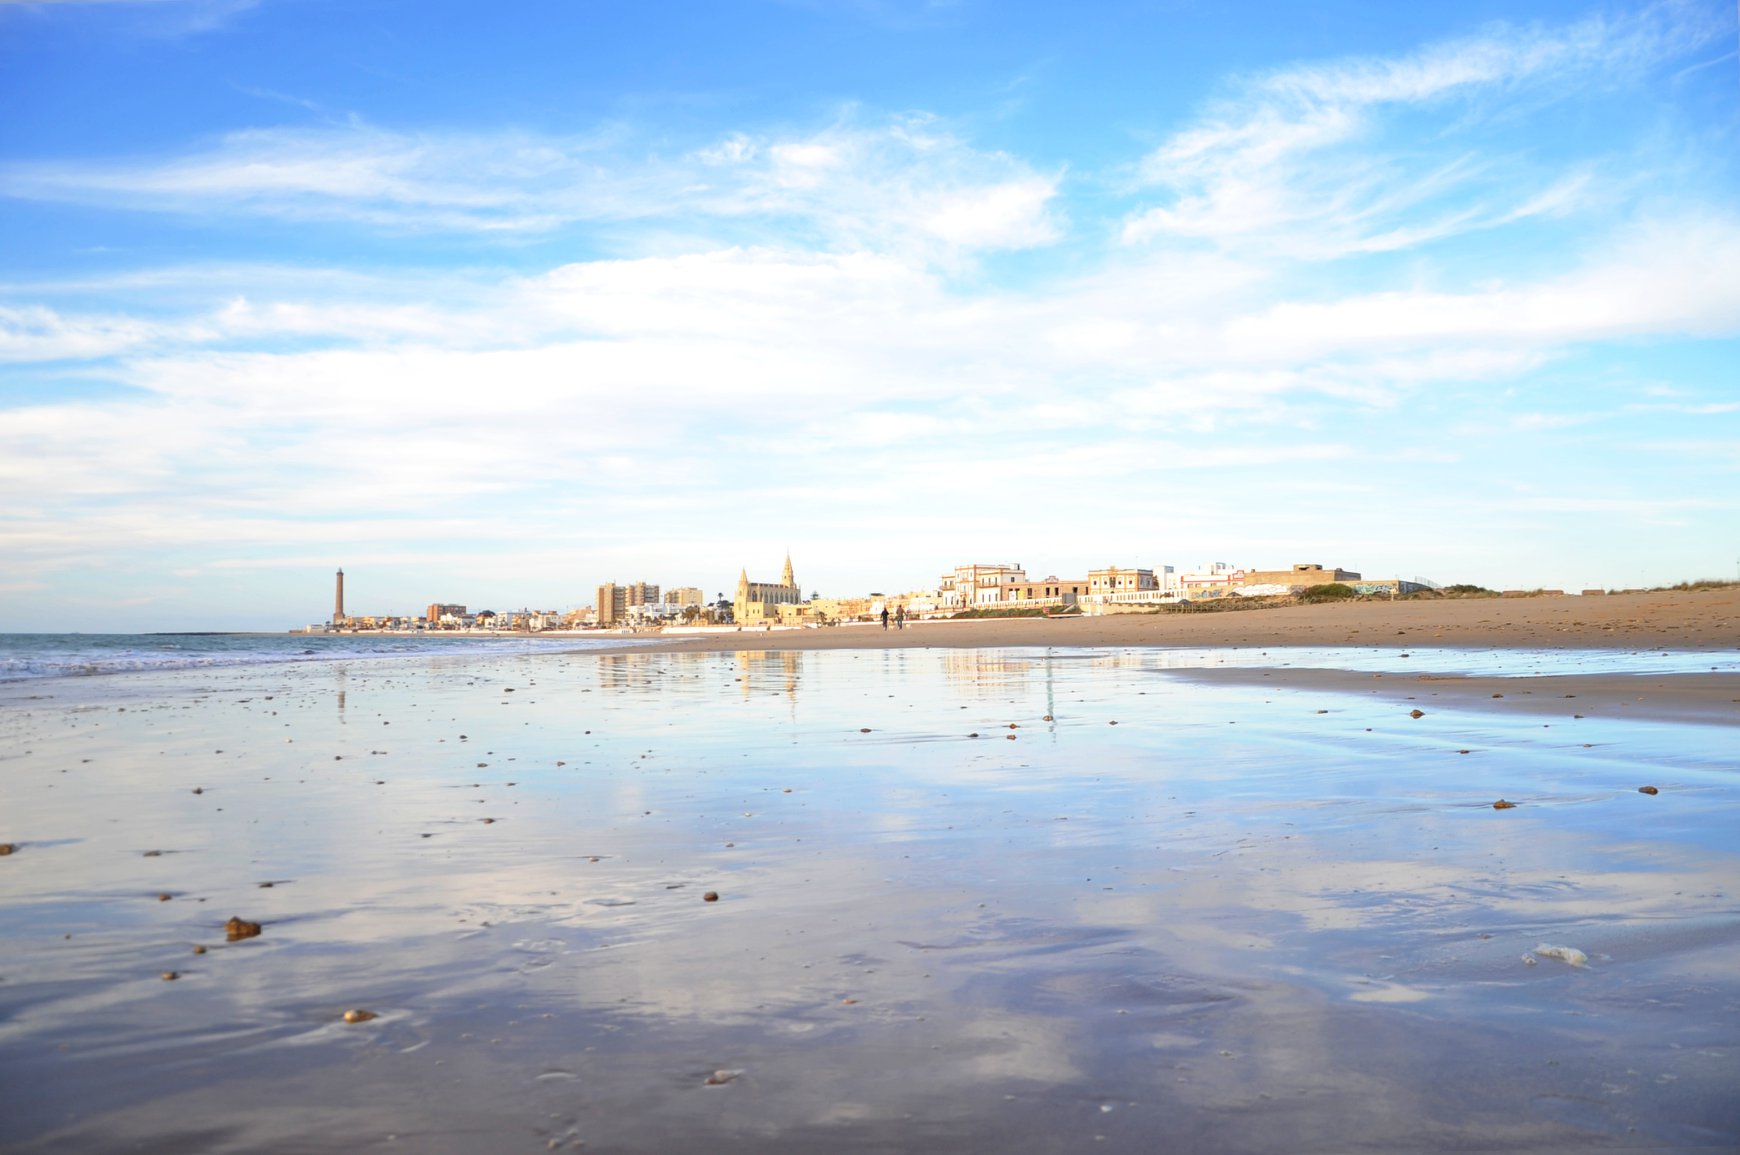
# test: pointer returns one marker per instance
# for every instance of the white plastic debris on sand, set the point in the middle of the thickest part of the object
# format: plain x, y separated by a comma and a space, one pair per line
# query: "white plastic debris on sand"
1569, 954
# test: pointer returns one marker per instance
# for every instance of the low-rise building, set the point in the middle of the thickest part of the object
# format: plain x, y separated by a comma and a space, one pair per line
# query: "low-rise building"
1113, 580
1301, 576
979, 584
1214, 580
1047, 591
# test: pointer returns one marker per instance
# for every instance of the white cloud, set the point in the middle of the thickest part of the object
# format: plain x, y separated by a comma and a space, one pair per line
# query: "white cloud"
796, 324
1303, 161
900, 184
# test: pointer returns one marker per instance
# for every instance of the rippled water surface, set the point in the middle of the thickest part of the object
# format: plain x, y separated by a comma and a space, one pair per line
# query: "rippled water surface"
1169, 916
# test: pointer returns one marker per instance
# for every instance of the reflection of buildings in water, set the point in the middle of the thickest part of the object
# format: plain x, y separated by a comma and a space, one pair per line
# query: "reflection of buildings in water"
986, 672
1004, 674
756, 669
620, 671
614, 671
338, 681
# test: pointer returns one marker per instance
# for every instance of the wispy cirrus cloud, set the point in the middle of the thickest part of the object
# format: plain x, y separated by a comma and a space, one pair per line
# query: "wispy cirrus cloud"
902, 184
1329, 159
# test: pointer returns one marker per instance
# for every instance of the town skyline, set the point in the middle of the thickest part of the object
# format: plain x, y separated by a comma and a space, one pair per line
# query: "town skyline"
979, 586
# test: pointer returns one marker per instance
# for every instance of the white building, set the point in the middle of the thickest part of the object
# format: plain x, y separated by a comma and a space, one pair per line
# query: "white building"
978, 584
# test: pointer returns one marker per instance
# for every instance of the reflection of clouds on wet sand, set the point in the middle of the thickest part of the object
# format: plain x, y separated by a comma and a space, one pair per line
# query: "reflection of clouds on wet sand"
1226, 922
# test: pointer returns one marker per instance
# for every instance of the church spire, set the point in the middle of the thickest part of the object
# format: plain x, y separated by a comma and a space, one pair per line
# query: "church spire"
785, 577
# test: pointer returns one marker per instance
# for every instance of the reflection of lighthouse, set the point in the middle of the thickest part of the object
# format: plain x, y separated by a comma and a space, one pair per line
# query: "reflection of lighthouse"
338, 604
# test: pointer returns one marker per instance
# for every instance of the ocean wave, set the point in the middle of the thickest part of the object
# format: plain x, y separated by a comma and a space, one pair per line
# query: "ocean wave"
26, 657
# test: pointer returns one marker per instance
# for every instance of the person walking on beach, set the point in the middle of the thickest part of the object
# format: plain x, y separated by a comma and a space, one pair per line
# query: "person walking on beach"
900, 618
884, 617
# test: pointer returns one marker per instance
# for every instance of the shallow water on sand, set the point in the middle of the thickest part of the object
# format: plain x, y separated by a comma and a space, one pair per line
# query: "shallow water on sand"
1172, 917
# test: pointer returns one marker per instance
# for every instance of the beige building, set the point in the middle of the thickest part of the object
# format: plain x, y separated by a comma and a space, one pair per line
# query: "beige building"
1051, 590
846, 609
1113, 580
762, 603
685, 596
615, 601
612, 603
1299, 577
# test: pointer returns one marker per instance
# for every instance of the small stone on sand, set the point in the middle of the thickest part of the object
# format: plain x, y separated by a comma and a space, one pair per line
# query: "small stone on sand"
170, 976
1416, 713
359, 1016
198, 949
710, 896
720, 1078
1501, 804
238, 928
1648, 790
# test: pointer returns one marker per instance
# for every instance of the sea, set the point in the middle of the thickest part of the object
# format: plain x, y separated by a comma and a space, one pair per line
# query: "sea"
24, 657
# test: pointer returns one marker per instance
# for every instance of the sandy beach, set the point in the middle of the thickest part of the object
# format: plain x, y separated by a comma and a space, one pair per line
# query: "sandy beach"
1126, 884
1692, 620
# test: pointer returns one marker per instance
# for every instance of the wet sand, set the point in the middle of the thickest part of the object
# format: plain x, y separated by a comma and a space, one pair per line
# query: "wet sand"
1018, 899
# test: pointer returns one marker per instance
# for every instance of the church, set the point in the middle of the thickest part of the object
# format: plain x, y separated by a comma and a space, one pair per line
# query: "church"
765, 603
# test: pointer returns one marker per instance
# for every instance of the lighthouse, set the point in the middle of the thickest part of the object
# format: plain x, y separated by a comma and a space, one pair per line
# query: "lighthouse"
338, 601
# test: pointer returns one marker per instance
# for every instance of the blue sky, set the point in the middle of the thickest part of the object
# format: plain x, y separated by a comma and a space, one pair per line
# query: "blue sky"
491, 303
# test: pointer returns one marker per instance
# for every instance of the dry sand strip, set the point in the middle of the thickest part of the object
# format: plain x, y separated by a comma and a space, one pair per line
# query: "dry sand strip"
1707, 698
1707, 620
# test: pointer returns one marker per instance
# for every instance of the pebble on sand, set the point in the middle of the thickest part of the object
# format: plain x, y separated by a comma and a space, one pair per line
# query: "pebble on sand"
170, 976
720, 1078
359, 1016
7, 848
238, 928
710, 896
198, 949
1416, 713
1648, 790
1501, 804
